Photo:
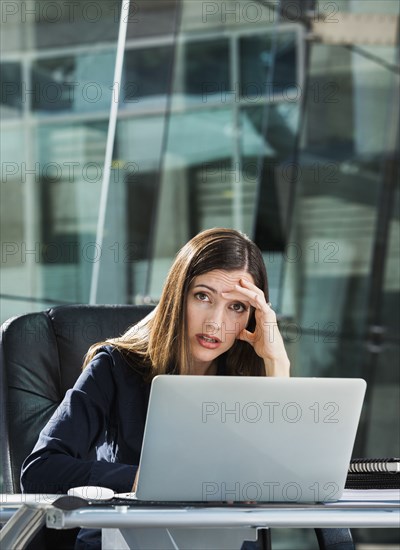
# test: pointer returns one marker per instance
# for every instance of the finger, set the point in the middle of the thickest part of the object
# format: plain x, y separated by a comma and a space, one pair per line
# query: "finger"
246, 283
255, 298
250, 287
237, 294
255, 294
246, 336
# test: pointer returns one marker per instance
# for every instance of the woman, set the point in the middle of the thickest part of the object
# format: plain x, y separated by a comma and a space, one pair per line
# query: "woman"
213, 318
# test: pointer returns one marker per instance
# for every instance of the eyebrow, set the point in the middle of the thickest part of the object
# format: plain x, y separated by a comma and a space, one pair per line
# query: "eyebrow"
206, 286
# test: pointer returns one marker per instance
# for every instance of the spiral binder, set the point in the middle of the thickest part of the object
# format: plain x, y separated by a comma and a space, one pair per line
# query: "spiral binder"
373, 473
374, 465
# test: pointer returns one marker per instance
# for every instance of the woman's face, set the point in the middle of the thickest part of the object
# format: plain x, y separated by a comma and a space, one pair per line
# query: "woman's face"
214, 320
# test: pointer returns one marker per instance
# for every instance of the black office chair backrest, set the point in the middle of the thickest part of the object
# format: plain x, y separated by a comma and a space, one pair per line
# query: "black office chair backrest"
41, 357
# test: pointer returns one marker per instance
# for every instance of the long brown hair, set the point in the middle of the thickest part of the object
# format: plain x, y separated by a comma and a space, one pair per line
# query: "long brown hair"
158, 343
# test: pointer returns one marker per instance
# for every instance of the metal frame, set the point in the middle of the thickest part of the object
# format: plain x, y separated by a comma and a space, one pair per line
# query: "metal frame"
119, 60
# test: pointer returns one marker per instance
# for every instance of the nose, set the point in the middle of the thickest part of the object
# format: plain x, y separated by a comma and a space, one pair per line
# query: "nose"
214, 324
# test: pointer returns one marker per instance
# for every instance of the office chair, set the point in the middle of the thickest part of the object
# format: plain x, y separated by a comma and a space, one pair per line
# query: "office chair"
41, 357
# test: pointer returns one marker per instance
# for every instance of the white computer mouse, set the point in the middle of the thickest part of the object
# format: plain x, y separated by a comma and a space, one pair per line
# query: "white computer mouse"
91, 492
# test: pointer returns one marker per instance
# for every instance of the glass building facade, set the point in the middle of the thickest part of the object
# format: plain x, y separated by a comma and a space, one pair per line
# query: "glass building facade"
229, 114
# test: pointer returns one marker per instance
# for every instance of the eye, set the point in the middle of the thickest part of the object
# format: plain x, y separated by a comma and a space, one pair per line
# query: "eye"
238, 307
201, 296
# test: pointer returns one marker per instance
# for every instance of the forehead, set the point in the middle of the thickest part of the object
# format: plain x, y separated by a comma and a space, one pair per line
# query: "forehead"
220, 279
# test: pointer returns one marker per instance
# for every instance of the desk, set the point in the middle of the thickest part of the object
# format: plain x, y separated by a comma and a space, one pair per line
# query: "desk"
167, 529
208, 527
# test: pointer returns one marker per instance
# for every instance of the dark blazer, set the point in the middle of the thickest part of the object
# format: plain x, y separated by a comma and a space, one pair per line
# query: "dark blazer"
95, 435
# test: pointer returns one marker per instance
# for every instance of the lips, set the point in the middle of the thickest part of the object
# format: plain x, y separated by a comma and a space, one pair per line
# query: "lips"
208, 342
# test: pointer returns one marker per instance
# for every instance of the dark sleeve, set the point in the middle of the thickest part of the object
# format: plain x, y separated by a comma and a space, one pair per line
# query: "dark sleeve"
64, 455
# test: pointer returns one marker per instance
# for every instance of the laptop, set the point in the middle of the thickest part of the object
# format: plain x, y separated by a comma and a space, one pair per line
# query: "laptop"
248, 439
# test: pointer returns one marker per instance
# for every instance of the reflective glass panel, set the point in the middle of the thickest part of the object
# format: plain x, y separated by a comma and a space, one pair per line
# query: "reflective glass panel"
342, 318
70, 173
205, 70
11, 90
196, 188
147, 74
74, 84
268, 64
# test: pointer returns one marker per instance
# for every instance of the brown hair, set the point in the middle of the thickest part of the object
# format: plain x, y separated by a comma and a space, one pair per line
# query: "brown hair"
158, 343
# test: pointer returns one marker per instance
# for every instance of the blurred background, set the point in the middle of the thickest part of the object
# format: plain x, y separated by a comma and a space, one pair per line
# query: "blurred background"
276, 118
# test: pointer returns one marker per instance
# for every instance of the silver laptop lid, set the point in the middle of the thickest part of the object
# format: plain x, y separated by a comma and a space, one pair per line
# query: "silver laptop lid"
211, 438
